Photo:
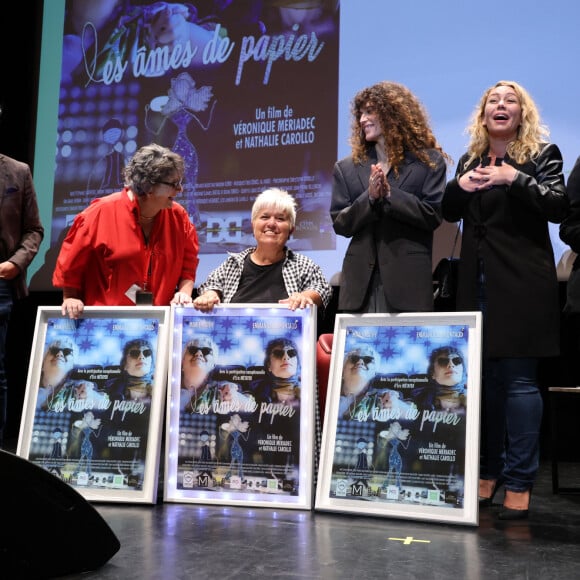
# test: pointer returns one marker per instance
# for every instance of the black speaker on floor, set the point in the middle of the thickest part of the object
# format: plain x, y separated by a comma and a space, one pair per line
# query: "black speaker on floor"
47, 529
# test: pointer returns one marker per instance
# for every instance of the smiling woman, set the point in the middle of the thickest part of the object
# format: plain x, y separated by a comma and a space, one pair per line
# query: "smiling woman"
136, 246
270, 271
507, 188
386, 199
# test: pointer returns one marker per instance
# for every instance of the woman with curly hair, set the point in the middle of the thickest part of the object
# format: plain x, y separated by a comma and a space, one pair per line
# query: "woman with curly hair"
506, 189
386, 198
135, 381
281, 383
446, 389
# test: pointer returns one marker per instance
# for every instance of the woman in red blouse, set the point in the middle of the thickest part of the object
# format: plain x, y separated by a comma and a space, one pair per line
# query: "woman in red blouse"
136, 246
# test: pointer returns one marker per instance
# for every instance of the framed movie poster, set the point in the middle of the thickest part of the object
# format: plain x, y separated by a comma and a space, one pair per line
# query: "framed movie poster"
93, 408
240, 406
401, 430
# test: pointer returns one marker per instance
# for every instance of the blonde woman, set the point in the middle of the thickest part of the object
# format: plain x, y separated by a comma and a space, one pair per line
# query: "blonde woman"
506, 189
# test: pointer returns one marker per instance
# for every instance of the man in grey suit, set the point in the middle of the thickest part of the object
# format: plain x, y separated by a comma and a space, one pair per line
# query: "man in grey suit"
386, 198
20, 235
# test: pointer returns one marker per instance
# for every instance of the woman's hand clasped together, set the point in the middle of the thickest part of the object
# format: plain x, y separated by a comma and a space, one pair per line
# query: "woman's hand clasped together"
386, 202
507, 190
378, 184
488, 176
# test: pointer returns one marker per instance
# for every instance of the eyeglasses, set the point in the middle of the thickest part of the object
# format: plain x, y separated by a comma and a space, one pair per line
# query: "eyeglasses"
354, 358
443, 361
137, 352
54, 350
174, 184
280, 352
205, 350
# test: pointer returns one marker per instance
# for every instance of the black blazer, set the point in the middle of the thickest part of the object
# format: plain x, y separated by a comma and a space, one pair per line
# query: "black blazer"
395, 235
507, 228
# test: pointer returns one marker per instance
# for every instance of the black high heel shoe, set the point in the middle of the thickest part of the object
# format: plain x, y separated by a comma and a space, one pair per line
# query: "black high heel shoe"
513, 513
485, 502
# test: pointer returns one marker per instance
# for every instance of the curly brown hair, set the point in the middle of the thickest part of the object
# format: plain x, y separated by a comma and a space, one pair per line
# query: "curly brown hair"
404, 123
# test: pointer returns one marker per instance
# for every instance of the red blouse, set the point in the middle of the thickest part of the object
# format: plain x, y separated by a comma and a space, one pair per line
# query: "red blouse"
105, 253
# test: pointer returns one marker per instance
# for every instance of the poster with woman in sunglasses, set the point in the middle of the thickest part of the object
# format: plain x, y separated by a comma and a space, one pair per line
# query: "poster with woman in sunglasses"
279, 388
197, 362
281, 383
130, 392
253, 374
135, 382
446, 389
414, 378
105, 367
57, 363
359, 368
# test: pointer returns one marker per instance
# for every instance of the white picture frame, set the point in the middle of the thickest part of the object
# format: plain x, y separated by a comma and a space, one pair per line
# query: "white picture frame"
95, 394
425, 467
251, 448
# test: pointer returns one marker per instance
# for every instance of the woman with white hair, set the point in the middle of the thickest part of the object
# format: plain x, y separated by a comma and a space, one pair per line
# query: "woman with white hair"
197, 363
359, 368
57, 363
270, 271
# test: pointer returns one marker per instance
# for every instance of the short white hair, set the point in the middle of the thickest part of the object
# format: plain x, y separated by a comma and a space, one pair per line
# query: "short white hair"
200, 342
277, 198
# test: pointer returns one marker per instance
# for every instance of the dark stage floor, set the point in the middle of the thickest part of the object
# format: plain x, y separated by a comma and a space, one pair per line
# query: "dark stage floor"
182, 541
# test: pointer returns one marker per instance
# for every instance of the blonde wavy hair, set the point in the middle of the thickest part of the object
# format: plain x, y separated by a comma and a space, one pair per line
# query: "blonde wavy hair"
404, 123
532, 134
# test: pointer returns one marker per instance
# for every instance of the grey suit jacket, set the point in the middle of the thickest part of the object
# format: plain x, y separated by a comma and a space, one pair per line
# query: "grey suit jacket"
395, 235
20, 229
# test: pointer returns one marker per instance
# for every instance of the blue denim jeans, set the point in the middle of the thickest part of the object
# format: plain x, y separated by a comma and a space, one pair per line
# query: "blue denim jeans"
511, 414
511, 418
5, 309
